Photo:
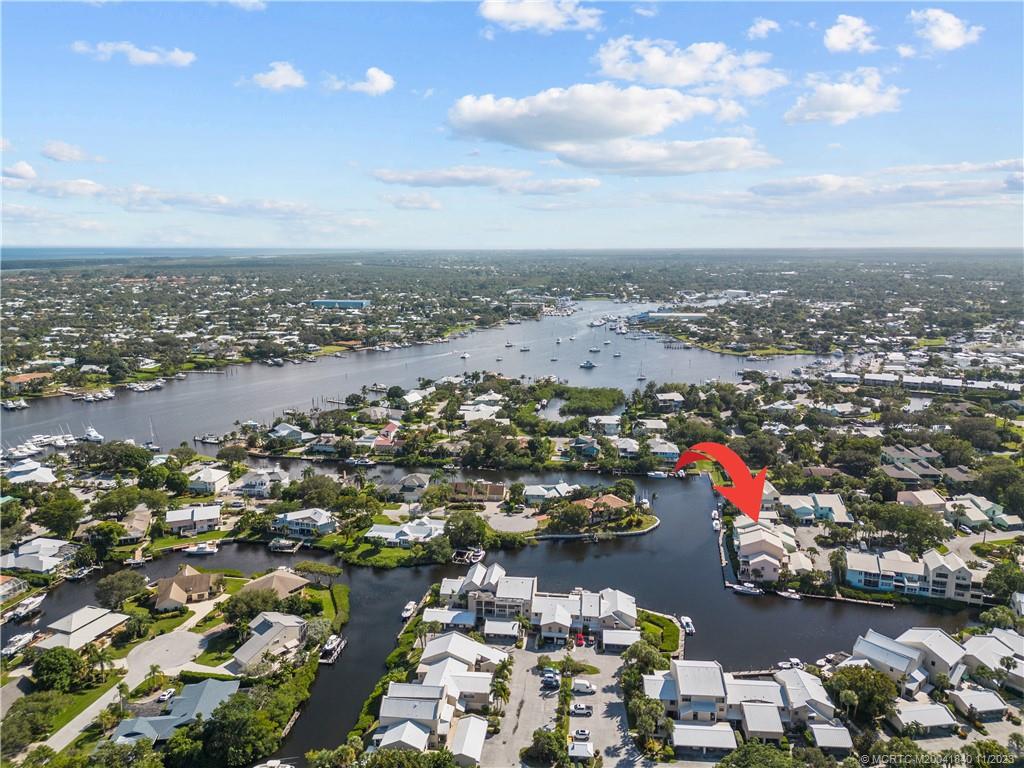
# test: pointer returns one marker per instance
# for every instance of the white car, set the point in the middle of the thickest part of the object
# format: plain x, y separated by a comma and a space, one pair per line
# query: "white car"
581, 734
965, 529
166, 695
581, 710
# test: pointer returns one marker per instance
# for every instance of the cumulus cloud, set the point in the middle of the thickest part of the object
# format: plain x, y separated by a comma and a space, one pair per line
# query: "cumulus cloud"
543, 16
667, 158
579, 113
20, 170
906, 51
647, 11
856, 94
416, 201
63, 152
31, 216
136, 56
376, 83
705, 67
553, 186
761, 28
850, 33
455, 176
1014, 165
249, 5
942, 30
280, 77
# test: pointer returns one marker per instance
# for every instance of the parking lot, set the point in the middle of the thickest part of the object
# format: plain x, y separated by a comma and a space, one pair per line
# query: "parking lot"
530, 707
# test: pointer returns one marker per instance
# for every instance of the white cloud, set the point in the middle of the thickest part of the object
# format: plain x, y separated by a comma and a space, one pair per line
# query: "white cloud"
5, 145
416, 201
850, 33
761, 28
553, 186
249, 5
63, 152
856, 94
31, 216
137, 57
906, 51
707, 67
667, 158
579, 113
377, 82
544, 16
281, 76
455, 176
647, 11
999, 166
20, 170
943, 30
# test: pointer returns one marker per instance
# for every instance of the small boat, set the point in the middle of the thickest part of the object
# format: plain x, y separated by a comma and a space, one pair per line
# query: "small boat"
332, 649
282, 544
716, 525
475, 555
27, 607
202, 548
409, 609
714, 514
150, 446
80, 573
274, 764
508, 344
553, 359
594, 349
449, 467
499, 359
180, 376
640, 376
789, 594
572, 338
587, 364
687, 623
92, 436
746, 588
524, 348
464, 356
657, 474
207, 439
616, 354
607, 342
558, 340
17, 643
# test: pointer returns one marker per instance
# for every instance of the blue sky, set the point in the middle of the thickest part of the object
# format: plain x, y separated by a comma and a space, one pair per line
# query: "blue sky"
512, 124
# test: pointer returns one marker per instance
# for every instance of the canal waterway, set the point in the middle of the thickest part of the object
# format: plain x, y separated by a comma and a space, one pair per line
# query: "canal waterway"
674, 569
215, 402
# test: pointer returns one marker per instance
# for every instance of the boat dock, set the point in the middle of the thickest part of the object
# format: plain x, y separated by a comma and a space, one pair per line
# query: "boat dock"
333, 656
289, 546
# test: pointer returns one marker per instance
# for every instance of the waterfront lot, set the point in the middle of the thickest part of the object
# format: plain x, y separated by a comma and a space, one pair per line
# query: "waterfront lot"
530, 708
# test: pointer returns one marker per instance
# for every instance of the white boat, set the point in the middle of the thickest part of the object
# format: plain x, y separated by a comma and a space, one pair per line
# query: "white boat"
17, 643
746, 588
92, 436
409, 609
594, 349
202, 548
499, 359
587, 364
789, 594
716, 525
657, 474
616, 354
524, 348
687, 623
607, 342
332, 649
274, 764
558, 340
572, 338
714, 514
640, 374
464, 356
27, 607
508, 344
553, 360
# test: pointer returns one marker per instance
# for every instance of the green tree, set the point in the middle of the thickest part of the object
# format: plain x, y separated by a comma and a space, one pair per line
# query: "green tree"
61, 512
754, 754
648, 716
243, 607
154, 477
318, 570
1005, 578
110, 754
238, 733
29, 719
113, 590
104, 537
177, 482
59, 669
439, 549
547, 748
874, 691
465, 529
837, 560
232, 454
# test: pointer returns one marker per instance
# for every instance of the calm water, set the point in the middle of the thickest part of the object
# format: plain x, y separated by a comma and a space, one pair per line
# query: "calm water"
675, 569
212, 402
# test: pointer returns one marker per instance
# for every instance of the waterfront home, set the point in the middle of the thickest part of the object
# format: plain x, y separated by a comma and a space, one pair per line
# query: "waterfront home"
40, 555
605, 425
208, 481
669, 402
466, 742
450, 618
376, 414
305, 523
973, 510
286, 431
473, 412
928, 718
605, 507
689, 690
30, 471
817, 506
557, 614
11, 586
934, 575
190, 703
487, 592
901, 663
834, 740
585, 446
187, 586
741, 691
479, 657
136, 525
405, 535
535, 495
702, 738
281, 581
413, 485
272, 634
259, 482
79, 628
193, 519
650, 427
663, 450
942, 654
478, 490
988, 651
502, 631
807, 701
978, 703
626, 447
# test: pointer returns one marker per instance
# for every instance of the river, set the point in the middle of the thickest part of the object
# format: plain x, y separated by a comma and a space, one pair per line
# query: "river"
673, 569
208, 402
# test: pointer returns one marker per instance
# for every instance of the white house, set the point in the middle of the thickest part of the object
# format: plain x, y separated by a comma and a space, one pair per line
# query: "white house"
286, 431
605, 425
81, 627
42, 555
272, 634
30, 471
305, 523
259, 482
209, 481
405, 535
194, 519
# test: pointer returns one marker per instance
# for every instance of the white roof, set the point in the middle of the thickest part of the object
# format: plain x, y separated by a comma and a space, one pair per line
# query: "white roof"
468, 739
740, 690
449, 616
761, 718
620, 637
926, 714
981, 700
660, 686
935, 641
831, 736
315, 515
210, 475
81, 627
458, 646
194, 514
516, 588
703, 735
501, 628
406, 734
802, 688
699, 678
886, 652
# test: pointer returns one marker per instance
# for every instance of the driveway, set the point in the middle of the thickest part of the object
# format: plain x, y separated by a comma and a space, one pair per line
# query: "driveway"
509, 522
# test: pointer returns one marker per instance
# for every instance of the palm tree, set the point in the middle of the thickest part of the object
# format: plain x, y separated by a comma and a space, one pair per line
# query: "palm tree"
848, 698
123, 694
155, 674
500, 691
421, 634
99, 657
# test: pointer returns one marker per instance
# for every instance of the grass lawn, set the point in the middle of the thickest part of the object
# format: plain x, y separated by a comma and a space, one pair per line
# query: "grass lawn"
936, 342
662, 628
76, 702
163, 626
219, 649
323, 595
373, 555
209, 621
165, 542
232, 584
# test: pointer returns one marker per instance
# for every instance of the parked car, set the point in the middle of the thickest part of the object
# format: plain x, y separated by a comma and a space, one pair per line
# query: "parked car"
581, 710
550, 683
583, 686
549, 672
579, 640
166, 695
581, 734
965, 529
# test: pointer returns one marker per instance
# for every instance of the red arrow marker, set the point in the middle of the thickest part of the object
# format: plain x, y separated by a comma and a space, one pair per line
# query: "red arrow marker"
746, 490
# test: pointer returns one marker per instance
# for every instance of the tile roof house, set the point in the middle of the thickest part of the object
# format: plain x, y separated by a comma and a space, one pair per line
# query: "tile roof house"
81, 627
281, 581
187, 586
